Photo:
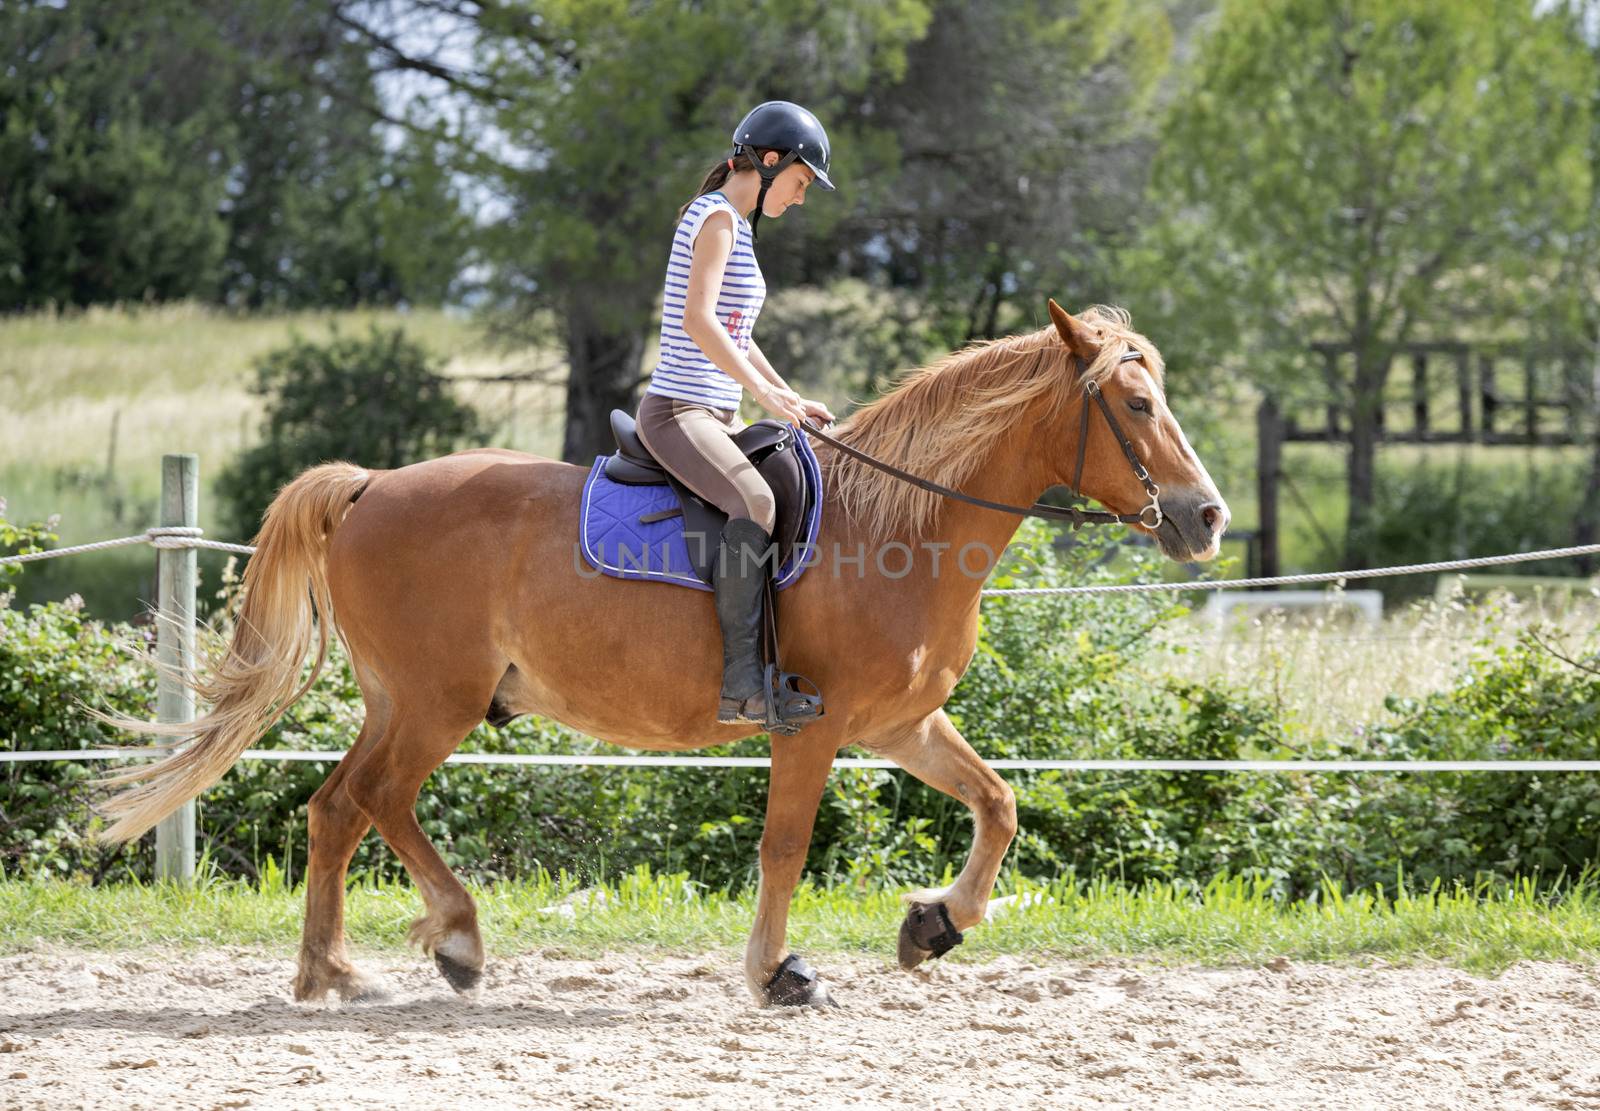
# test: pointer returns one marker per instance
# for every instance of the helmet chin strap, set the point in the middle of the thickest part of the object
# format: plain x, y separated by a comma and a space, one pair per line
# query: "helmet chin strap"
769, 174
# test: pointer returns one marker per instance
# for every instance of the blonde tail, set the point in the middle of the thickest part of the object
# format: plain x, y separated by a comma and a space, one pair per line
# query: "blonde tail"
252, 682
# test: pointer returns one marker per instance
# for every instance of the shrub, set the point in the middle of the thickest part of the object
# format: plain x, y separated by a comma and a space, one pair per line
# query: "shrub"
53, 661
1456, 510
1521, 702
375, 402
21, 539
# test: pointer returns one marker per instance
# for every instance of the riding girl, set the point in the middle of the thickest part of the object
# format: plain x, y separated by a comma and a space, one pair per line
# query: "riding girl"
708, 358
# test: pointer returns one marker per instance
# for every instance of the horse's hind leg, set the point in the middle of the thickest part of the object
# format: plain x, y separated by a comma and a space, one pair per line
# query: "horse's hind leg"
385, 784
335, 825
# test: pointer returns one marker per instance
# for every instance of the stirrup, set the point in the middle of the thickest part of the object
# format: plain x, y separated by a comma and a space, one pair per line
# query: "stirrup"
789, 705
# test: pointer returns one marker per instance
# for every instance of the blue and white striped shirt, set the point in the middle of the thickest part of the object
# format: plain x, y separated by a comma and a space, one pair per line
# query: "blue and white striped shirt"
683, 371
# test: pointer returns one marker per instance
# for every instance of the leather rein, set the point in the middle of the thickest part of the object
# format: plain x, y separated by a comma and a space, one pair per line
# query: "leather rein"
1150, 516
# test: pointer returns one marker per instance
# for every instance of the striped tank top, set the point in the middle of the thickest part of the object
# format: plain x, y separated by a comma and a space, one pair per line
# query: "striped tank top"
683, 371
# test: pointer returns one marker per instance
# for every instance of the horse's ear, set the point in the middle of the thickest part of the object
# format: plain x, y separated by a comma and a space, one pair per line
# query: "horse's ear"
1078, 336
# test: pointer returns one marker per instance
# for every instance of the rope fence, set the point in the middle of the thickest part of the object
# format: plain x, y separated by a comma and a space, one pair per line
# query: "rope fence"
170, 539
1292, 580
601, 760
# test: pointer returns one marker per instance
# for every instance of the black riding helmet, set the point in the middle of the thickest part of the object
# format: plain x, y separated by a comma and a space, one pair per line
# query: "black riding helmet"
784, 126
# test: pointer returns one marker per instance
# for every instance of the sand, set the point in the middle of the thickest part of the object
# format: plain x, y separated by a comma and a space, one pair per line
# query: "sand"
217, 1029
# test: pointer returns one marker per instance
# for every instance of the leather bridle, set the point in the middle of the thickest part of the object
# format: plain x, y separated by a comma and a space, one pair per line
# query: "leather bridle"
1149, 517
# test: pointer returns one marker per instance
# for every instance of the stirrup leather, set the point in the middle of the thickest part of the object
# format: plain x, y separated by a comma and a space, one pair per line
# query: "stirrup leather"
789, 704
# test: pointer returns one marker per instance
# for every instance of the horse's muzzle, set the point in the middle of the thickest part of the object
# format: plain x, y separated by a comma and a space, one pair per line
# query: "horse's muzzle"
1192, 525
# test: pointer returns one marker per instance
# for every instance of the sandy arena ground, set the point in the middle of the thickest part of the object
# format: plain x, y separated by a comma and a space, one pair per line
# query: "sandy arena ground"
217, 1030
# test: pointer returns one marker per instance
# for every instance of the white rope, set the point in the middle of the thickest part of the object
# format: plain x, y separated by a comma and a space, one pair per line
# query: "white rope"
604, 761
1290, 580
101, 545
178, 537
220, 546
164, 537
173, 537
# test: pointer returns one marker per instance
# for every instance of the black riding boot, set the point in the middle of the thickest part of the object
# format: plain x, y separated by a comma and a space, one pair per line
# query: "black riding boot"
738, 576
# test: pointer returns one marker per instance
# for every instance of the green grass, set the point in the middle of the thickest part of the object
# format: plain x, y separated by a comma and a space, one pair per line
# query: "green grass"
1230, 921
173, 377
91, 400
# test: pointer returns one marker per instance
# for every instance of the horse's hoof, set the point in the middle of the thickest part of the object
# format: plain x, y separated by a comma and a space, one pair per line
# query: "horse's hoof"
464, 978
313, 986
927, 932
365, 991
795, 984
909, 954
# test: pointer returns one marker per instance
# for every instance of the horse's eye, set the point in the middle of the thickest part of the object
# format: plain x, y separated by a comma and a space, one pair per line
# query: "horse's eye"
1138, 404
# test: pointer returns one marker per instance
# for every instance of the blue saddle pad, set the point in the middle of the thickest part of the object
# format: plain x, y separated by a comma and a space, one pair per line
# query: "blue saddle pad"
616, 543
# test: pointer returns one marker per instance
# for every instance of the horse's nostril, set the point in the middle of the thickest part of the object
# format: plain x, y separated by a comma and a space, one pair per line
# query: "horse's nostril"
1213, 515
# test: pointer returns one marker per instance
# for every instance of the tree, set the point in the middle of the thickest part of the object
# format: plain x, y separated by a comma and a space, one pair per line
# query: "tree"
1369, 170
214, 150
107, 192
1015, 147
1575, 304
375, 402
330, 203
616, 111
984, 152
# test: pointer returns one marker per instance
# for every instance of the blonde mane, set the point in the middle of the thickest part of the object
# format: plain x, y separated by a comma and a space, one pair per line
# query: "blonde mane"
942, 422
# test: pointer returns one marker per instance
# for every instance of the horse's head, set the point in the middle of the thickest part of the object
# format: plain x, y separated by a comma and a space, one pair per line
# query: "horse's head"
1103, 353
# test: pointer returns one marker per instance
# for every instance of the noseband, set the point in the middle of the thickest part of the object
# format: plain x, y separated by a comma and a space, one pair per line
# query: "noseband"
1149, 517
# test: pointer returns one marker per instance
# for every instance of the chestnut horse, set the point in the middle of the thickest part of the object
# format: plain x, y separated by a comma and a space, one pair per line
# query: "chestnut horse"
454, 585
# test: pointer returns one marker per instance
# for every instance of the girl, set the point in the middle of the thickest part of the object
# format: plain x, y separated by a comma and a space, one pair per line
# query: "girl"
690, 410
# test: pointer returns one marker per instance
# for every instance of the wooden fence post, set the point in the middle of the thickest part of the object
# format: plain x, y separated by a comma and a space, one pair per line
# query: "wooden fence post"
1269, 461
180, 506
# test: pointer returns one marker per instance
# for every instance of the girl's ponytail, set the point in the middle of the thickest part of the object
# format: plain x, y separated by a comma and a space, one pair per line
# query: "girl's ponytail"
718, 176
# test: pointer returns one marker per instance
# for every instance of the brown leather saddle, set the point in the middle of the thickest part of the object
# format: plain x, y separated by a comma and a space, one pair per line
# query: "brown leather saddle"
768, 444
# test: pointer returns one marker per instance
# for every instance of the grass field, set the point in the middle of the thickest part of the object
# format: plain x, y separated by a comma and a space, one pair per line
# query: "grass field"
1330, 673
90, 401
1229, 921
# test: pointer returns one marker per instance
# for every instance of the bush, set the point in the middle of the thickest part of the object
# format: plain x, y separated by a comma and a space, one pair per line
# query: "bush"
53, 661
375, 402
488, 822
1051, 677
1521, 702
1073, 677
21, 539
1428, 511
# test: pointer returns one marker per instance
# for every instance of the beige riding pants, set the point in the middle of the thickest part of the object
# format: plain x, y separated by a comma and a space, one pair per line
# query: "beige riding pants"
695, 444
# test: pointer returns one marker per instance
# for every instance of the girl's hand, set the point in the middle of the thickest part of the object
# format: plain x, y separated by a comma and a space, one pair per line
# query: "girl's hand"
818, 412
783, 403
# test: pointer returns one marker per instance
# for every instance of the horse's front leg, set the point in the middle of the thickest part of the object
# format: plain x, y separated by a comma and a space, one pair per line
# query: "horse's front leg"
800, 767
934, 752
